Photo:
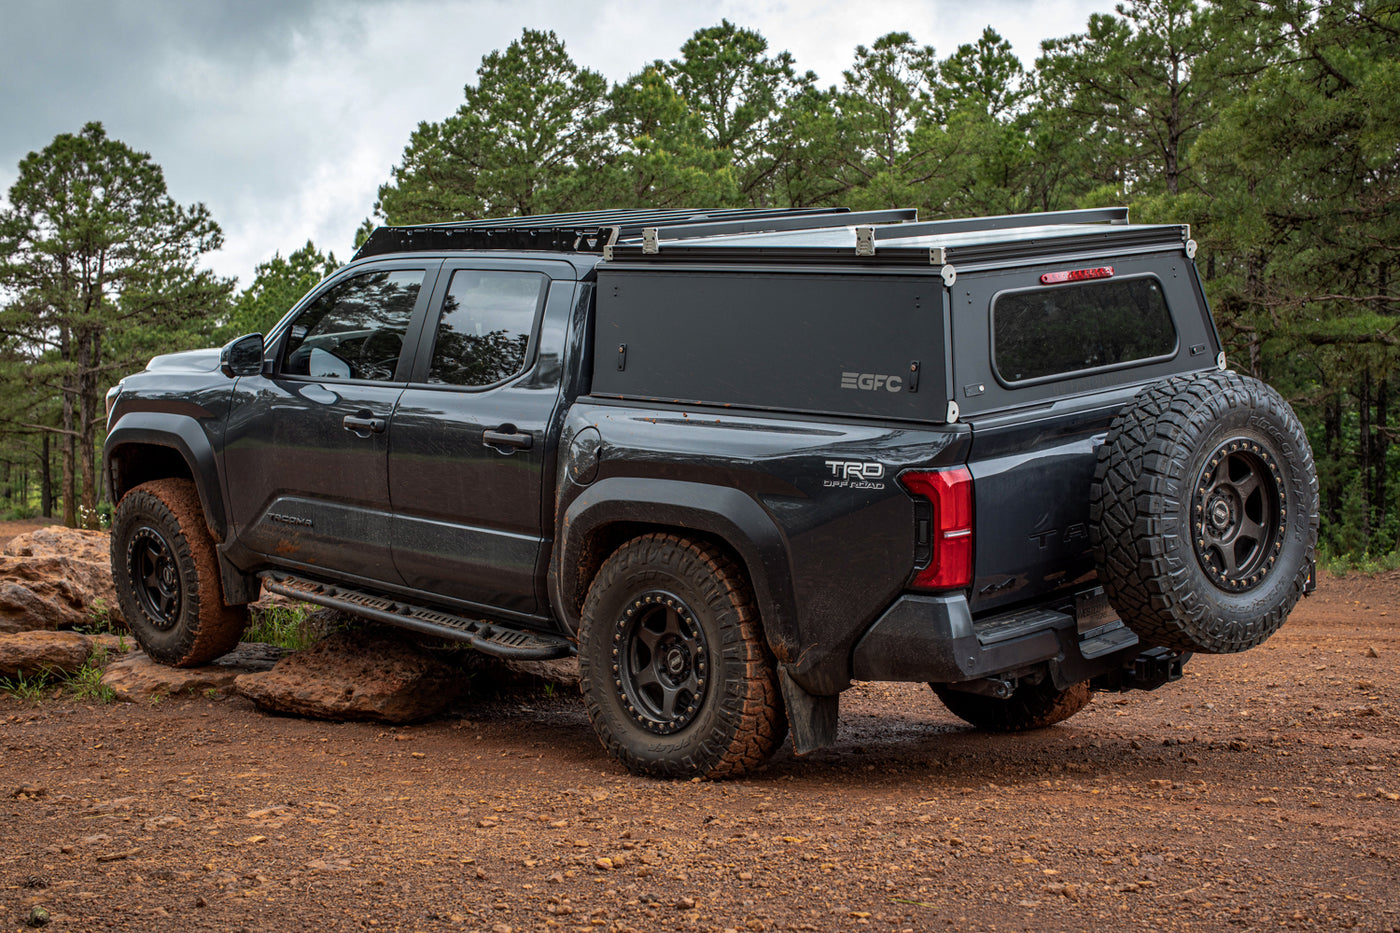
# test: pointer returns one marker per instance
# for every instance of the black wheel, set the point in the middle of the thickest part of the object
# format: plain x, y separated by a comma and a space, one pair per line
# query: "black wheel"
166, 575
1030, 706
1203, 514
675, 674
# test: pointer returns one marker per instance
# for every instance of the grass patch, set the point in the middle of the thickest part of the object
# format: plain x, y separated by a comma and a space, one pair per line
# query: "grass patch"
1340, 565
29, 688
283, 626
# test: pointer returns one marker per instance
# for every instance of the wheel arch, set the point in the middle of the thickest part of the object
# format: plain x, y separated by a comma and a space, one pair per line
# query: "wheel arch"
618, 509
145, 446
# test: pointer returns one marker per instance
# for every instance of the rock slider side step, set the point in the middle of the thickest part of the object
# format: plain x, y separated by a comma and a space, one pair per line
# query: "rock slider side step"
494, 638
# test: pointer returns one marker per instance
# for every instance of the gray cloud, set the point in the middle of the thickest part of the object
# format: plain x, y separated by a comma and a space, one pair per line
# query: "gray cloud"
284, 116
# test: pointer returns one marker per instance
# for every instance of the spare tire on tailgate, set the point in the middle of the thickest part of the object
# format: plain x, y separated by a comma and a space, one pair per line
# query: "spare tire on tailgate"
1203, 513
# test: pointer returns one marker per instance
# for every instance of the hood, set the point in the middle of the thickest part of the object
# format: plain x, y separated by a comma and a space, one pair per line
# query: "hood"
190, 361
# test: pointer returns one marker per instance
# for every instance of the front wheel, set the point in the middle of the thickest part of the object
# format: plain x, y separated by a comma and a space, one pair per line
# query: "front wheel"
675, 675
1030, 706
166, 574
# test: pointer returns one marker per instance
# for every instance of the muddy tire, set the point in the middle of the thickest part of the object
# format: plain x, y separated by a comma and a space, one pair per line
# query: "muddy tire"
676, 677
166, 574
1030, 706
1203, 513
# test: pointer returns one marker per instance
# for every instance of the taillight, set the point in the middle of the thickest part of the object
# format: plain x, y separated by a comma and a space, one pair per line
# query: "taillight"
949, 492
1076, 275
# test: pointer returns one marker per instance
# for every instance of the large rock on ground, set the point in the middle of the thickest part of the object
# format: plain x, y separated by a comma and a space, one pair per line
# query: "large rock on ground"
365, 674
28, 654
56, 578
137, 677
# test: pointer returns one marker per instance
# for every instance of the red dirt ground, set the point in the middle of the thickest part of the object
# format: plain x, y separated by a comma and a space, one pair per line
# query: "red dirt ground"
1260, 792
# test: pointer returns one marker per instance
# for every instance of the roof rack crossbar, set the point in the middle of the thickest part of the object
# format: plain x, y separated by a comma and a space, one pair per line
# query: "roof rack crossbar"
581, 231
775, 224
1110, 215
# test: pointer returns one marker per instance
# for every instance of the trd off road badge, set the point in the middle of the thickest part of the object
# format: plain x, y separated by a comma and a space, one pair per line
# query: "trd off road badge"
854, 474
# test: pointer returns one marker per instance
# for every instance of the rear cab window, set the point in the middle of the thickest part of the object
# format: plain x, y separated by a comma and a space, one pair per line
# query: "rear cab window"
1060, 330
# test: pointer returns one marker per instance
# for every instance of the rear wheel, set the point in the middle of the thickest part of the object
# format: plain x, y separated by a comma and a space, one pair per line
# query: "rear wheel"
166, 574
675, 675
1030, 706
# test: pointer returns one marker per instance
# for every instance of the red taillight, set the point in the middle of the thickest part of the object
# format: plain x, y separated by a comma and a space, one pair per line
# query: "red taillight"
950, 494
1076, 275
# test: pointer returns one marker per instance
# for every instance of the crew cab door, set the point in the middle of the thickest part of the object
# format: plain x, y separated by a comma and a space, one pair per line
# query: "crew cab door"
471, 440
306, 452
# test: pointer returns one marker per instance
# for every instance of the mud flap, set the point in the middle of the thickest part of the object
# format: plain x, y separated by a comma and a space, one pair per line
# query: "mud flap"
811, 719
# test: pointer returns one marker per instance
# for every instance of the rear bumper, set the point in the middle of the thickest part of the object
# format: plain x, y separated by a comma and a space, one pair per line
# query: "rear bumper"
934, 639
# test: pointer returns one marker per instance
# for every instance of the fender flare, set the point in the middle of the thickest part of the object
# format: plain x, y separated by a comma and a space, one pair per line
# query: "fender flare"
720, 511
184, 435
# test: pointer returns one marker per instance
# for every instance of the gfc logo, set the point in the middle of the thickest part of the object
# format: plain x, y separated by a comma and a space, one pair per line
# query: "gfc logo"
870, 382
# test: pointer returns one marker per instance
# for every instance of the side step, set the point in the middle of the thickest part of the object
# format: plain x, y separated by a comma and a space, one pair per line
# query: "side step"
495, 638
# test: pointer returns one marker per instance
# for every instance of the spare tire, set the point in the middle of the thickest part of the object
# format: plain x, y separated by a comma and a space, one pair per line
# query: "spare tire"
1203, 513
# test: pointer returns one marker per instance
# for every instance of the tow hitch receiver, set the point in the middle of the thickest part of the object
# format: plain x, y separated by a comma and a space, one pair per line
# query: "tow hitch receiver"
1148, 671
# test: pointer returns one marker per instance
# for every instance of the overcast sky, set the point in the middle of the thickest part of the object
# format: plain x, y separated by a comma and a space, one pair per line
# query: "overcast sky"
285, 116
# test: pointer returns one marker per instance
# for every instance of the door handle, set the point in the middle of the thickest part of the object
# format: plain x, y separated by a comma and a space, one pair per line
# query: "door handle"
507, 436
364, 425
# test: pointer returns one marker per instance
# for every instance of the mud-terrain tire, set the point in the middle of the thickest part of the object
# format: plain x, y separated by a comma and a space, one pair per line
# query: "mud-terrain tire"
1030, 706
1203, 513
166, 574
676, 677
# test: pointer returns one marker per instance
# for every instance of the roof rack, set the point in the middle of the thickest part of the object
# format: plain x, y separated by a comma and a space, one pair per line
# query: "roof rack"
592, 231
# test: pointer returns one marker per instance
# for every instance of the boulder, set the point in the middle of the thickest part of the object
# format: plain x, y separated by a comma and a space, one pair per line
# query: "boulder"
137, 677
56, 578
369, 674
27, 654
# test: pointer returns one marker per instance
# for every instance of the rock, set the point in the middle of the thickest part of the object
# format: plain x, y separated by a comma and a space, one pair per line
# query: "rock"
31, 653
137, 677
38, 917
1371, 652
369, 674
561, 671
56, 578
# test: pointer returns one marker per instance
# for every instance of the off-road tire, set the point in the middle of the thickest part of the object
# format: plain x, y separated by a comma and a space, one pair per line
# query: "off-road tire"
1030, 706
1203, 513
166, 574
667, 610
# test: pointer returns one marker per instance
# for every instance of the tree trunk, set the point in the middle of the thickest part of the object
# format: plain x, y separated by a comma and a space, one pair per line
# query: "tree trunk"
89, 361
69, 454
1378, 456
46, 480
1363, 450
1331, 449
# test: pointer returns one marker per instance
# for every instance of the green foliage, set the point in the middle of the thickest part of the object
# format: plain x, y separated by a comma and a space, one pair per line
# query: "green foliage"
277, 285
98, 271
283, 626
86, 682
29, 688
530, 124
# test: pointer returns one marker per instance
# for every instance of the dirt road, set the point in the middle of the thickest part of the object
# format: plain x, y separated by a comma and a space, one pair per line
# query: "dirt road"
1261, 792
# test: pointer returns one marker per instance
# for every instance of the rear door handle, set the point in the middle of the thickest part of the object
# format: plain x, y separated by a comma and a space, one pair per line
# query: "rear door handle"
507, 436
364, 425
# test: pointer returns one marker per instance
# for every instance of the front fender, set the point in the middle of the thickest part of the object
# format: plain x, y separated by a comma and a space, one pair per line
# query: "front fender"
178, 432
720, 511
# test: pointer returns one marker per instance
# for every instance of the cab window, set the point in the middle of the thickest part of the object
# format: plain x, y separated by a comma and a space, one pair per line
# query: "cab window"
354, 330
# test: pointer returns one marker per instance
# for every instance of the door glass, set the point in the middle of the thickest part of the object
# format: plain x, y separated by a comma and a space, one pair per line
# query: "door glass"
354, 330
483, 336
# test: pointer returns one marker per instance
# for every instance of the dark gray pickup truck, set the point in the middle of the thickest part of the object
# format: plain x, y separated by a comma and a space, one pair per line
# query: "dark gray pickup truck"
735, 460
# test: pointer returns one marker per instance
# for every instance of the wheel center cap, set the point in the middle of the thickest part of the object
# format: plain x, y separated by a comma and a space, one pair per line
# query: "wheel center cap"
1220, 513
675, 661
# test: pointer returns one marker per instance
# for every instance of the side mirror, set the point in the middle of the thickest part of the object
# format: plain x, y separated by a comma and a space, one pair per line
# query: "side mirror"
242, 357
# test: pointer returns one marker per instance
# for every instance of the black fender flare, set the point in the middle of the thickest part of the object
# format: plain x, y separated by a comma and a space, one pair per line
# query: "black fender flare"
721, 511
182, 434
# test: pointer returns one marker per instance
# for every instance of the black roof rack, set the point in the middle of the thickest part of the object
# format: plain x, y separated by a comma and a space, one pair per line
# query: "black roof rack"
591, 231
802, 235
